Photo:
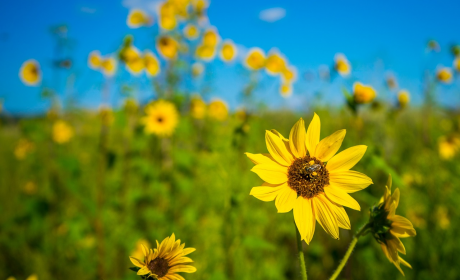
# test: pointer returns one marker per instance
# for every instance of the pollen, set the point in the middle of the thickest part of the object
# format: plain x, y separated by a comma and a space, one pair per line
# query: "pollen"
308, 176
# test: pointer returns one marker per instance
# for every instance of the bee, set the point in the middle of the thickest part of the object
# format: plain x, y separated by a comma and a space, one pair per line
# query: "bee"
313, 168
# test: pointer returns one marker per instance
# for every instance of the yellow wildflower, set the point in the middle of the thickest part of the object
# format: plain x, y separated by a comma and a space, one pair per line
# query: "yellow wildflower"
403, 98
138, 18
444, 75
255, 59
197, 108
286, 90
228, 51
167, 47
218, 110
161, 118
448, 146
205, 52
152, 64
62, 132
341, 65
275, 63
23, 148
363, 94
30, 73
191, 31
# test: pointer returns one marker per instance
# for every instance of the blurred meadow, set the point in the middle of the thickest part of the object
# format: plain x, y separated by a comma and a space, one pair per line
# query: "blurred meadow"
146, 135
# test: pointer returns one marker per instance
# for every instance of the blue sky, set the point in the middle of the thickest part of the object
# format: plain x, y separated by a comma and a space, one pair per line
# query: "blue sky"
376, 36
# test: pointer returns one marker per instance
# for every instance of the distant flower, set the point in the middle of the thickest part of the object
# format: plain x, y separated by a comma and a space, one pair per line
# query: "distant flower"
391, 81
205, 52
161, 118
275, 63
199, 7
285, 90
130, 106
30, 188
197, 108
341, 65
387, 227
167, 16
218, 110
433, 45
403, 98
289, 74
211, 37
138, 18
363, 94
197, 69
109, 66
228, 51
166, 261
167, 47
448, 146
455, 50
255, 59
133, 60
457, 64
23, 148
62, 132
152, 64
94, 60
444, 75
191, 31
30, 73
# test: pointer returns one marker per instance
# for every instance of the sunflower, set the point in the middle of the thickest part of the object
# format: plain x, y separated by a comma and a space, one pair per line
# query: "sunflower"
197, 69
296, 177
151, 63
109, 66
197, 108
403, 98
62, 132
275, 63
218, 110
133, 60
341, 65
161, 118
138, 18
448, 146
164, 262
205, 52
363, 94
167, 47
286, 90
289, 74
30, 73
387, 227
444, 75
228, 51
167, 16
191, 31
211, 37
255, 59
94, 60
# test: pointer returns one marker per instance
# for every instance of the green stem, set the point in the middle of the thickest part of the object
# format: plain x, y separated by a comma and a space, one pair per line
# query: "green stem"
361, 232
303, 268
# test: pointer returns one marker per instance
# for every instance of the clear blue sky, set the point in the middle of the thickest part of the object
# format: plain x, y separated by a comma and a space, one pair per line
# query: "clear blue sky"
376, 36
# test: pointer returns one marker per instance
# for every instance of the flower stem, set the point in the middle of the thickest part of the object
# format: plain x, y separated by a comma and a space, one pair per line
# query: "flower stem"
362, 231
303, 268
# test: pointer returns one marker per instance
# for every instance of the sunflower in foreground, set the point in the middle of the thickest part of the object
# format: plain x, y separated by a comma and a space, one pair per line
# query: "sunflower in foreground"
387, 227
297, 177
164, 262
161, 118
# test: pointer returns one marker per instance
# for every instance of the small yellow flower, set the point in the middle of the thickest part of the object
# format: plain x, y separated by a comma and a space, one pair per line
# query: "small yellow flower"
109, 66
255, 59
191, 31
133, 60
298, 179
205, 52
442, 216
94, 60
62, 132
164, 262
275, 63
181, 7
161, 118
211, 37
167, 16
363, 94
197, 108
30, 73
286, 90
152, 64
403, 98
199, 7
197, 69
391, 81
457, 64
218, 110
387, 227
444, 75
341, 65
23, 148
138, 18
228, 51
167, 47
448, 146
138, 251
289, 74
32, 277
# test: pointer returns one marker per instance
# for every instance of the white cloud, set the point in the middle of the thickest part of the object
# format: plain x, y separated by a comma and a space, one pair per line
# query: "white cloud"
272, 14
87, 10
146, 5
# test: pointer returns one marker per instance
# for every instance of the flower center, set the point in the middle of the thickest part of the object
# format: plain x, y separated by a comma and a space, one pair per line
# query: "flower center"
160, 119
308, 176
159, 266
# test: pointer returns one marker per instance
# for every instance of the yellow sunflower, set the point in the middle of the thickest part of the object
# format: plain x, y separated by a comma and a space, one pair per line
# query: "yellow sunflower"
289, 74
286, 90
166, 261
448, 146
197, 108
387, 227
167, 47
218, 110
152, 64
205, 52
138, 18
133, 59
444, 75
403, 98
341, 65
167, 16
363, 94
62, 132
191, 31
255, 59
228, 51
275, 63
109, 66
30, 73
94, 60
211, 37
297, 177
161, 118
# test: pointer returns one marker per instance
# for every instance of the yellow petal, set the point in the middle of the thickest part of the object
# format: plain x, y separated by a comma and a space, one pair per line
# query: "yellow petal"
341, 197
271, 173
327, 148
285, 200
266, 193
144, 270
182, 268
342, 217
346, 159
401, 227
188, 251
136, 262
277, 149
304, 218
395, 197
349, 181
260, 158
145, 250
402, 261
324, 215
313, 132
297, 139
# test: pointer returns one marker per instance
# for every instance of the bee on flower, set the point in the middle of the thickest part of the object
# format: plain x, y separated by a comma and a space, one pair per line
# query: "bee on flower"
218, 110
138, 18
297, 177
444, 75
62, 132
255, 59
166, 261
342, 65
30, 73
363, 94
161, 118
